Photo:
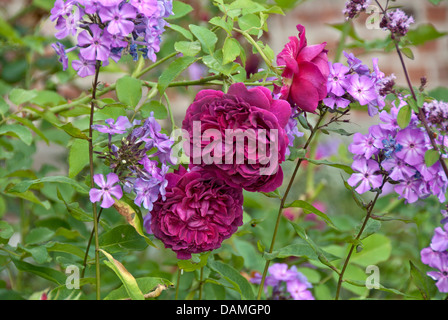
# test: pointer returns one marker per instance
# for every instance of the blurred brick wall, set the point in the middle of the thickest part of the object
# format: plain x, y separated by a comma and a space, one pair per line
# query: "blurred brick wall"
431, 59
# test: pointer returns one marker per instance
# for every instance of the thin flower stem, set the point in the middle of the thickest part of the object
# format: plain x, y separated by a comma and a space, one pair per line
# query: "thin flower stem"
358, 236
89, 243
283, 200
201, 283
94, 208
179, 272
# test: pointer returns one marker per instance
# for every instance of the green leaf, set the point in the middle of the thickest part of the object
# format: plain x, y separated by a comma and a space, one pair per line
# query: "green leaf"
230, 50
404, 116
206, 37
408, 53
6, 231
18, 131
420, 280
424, 33
19, 96
308, 208
173, 71
250, 23
298, 249
38, 235
133, 216
190, 265
78, 157
376, 248
431, 157
27, 123
26, 184
184, 32
227, 25
129, 91
239, 283
47, 98
122, 237
146, 284
344, 167
180, 10
66, 248
158, 109
4, 107
188, 48
43, 272
73, 131
372, 226
126, 278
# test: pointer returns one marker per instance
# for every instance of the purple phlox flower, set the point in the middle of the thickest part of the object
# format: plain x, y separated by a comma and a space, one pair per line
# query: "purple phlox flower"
60, 51
363, 145
61, 8
356, 64
409, 189
148, 8
377, 74
153, 138
445, 216
281, 272
337, 79
413, 145
430, 257
366, 177
298, 290
165, 8
389, 119
441, 276
92, 6
68, 26
110, 3
147, 223
84, 67
333, 101
398, 170
119, 19
108, 189
95, 46
362, 89
439, 241
114, 127
147, 192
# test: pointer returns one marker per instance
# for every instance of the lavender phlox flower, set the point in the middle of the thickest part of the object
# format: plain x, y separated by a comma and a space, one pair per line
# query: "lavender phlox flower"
119, 18
95, 46
114, 127
298, 290
362, 89
335, 102
366, 175
84, 67
398, 170
108, 189
409, 189
413, 145
441, 276
356, 65
337, 79
439, 240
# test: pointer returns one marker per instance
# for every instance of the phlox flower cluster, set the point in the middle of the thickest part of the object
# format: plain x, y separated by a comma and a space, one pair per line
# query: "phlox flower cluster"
286, 283
355, 82
436, 255
109, 29
139, 162
388, 151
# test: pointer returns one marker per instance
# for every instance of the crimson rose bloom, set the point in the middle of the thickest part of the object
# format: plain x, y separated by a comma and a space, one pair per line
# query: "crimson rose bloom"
244, 131
200, 211
306, 72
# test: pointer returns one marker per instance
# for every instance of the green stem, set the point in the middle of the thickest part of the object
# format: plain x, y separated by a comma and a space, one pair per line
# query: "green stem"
358, 236
94, 208
283, 200
179, 271
201, 283
173, 123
